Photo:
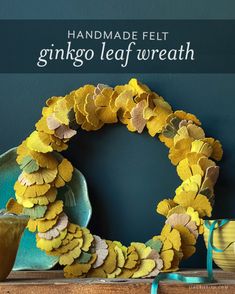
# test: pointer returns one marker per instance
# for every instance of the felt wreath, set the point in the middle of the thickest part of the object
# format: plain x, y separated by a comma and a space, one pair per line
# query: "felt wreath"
90, 107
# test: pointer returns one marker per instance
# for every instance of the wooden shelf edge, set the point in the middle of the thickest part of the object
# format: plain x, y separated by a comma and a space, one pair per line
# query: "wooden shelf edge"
53, 282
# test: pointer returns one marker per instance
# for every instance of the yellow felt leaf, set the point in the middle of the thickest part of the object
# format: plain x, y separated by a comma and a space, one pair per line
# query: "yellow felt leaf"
53, 210
205, 163
161, 112
165, 206
120, 262
47, 143
148, 111
188, 241
57, 144
32, 225
167, 257
36, 190
13, 207
124, 101
177, 209
106, 115
53, 100
120, 256
139, 88
45, 199
80, 118
127, 273
104, 110
194, 215
182, 133
179, 153
103, 98
65, 173
42, 176
174, 264
61, 111
188, 116
122, 88
90, 127
96, 273
69, 257
80, 97
22, 151
132, 258
90, 111
42, 126
114, 274
146, 266
46, 225
66, 246
142, 250
194, 157
185, 170
49, 245
191, 184
167, 141
217, 152
76, 270
87, 239
19, 189
31, 191
45, 160
75, 230
35, 143
110, 263
171, 238
198, 202
69, 98
196, 218
201, 147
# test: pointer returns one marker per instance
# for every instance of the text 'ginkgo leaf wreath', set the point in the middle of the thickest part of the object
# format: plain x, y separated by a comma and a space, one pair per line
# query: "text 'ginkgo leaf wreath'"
90, 107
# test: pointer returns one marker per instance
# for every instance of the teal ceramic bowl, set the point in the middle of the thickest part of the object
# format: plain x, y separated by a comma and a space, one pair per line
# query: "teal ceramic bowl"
76, 205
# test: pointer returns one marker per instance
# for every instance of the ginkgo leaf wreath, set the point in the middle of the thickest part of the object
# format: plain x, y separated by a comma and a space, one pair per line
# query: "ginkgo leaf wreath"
90, 107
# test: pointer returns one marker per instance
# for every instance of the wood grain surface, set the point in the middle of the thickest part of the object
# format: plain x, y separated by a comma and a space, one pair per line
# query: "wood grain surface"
53, 282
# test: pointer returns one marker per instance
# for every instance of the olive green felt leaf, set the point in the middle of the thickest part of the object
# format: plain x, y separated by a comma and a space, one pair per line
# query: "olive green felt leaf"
38, 211
84, 258
154, 244
29, 165
171, 128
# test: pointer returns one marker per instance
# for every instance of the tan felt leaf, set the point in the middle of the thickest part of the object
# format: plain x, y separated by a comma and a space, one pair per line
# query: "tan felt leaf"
49, 245
52, 122
64, 132
55, 231
137, 116
101, 249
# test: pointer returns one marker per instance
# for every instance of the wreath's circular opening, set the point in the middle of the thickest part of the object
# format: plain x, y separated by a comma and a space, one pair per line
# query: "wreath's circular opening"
127, 175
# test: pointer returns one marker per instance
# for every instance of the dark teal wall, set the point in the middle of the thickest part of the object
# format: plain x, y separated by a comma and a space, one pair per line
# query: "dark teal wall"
127, 173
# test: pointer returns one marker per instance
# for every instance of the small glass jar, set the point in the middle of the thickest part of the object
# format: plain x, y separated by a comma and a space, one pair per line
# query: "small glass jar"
11, 229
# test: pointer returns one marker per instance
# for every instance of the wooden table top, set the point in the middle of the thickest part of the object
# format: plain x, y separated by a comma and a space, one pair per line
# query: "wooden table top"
53, 282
